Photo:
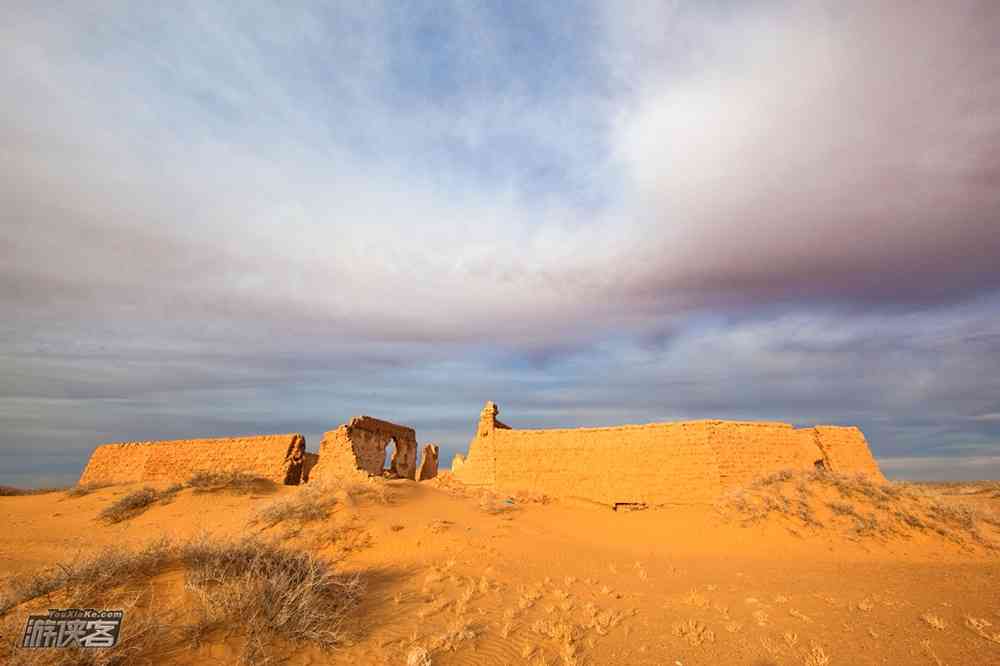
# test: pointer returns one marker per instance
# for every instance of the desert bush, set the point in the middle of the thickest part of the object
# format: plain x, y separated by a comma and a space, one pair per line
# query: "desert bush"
10, 491
260, 589
880, 510
273, 590
82, 489
82, 579
231, 481
309, 503
137, 501
771, 479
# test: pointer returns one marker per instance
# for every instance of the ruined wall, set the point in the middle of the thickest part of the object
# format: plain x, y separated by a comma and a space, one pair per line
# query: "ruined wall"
846, 451
748, 450
307, 464
275, 457
361, 444
658, 463
116, 463
428, 468
479, 467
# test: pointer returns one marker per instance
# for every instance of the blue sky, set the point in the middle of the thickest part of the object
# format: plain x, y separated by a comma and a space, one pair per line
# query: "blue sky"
228, 218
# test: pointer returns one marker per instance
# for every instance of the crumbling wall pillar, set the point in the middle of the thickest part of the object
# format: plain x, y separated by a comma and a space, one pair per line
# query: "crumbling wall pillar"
428, 463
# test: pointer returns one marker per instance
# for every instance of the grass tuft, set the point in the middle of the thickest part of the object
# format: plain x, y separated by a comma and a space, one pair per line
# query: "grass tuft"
864, 508
11, 491
240, 483
253, 589
136, 502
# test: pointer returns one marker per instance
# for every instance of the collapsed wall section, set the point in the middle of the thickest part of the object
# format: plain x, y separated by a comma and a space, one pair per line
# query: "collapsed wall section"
360, 445
428, 468
846, 451
275, 457
479, 467
307, 464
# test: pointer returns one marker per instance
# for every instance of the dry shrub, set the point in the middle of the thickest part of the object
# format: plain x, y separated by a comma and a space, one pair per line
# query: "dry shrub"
866, 508
85, 489
10, 491
308, 504
270, 590
145, 638
137, 501
132, 504
314, 501
232, 481
260, 590
82, 579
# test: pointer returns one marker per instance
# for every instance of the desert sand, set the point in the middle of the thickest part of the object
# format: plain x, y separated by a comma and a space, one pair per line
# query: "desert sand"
796, 568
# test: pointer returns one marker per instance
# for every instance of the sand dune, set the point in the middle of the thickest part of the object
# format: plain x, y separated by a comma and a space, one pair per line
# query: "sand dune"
796, 568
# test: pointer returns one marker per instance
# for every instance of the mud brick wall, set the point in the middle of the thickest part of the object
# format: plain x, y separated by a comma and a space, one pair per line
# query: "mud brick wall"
660, 463
428, 468
275, 457
361, 445
307, 464
846, 451
116, 463
748, 450
478, 468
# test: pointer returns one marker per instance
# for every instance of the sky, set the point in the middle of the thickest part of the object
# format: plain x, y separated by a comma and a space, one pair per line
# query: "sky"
225, 218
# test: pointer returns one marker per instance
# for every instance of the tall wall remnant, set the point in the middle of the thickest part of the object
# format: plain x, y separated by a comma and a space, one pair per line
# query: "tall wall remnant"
657, 463
276, 457
361, 444
428, 462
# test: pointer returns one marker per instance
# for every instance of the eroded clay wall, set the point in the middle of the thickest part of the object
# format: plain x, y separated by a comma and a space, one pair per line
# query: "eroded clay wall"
275, 457
748, 450
846, 451
361, 444
661, 463
116, 463
308, 463
478, 468
336, 456
428, 468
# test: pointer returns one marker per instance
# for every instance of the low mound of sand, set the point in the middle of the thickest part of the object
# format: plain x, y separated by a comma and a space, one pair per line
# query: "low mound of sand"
858, 508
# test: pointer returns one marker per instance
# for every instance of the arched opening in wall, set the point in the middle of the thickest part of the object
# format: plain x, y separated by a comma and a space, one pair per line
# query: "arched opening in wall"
389, 464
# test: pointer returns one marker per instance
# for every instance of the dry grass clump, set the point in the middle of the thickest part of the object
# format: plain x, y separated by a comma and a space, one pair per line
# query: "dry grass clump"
857, 505
270, 589
11, 491
82, 489
315, 501
232, 481
257, 589
136, 502
305, 506
83, 579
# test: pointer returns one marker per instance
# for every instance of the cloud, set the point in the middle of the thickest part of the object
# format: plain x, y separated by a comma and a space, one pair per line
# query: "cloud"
221, 218
839, 153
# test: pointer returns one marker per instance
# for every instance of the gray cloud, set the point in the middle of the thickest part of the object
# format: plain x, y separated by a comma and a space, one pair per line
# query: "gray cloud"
842, 152
220, 219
